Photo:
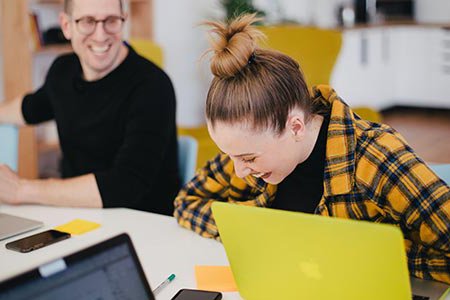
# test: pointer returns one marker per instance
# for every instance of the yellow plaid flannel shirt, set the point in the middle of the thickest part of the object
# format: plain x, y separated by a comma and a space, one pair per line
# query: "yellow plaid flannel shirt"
371, 174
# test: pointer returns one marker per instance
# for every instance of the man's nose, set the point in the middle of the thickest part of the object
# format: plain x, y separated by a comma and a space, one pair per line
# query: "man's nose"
99, 31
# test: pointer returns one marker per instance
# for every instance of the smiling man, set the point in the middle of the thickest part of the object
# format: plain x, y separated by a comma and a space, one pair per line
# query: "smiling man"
115, 114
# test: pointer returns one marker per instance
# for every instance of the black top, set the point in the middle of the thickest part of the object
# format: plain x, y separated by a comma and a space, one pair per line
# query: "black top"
303, 188
120, 127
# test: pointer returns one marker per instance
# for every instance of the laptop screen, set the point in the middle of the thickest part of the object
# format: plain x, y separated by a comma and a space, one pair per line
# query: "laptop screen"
109, 270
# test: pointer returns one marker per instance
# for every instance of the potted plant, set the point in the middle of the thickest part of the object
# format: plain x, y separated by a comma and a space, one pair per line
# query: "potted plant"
235, 8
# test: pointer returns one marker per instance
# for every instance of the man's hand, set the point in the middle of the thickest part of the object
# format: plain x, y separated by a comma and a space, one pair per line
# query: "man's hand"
9, 185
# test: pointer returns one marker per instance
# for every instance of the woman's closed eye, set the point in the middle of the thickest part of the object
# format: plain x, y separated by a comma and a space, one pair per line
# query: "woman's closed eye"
249, 160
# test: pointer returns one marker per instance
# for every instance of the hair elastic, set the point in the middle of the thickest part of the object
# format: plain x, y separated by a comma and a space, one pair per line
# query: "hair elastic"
251, 59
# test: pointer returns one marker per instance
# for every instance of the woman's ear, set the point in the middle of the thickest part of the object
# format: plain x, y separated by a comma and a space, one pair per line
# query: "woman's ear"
296, 125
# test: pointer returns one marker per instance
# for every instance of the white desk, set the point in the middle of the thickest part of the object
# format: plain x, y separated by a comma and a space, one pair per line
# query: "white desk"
162, 246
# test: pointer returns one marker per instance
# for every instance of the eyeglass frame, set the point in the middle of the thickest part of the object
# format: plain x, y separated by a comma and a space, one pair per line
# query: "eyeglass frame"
121, 18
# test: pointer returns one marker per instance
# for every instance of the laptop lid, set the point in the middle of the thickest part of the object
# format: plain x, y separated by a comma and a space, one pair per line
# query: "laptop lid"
107, 270
12, 225
278, 254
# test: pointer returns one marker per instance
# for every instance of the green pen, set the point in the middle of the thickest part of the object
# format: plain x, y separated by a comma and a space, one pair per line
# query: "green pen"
164, 283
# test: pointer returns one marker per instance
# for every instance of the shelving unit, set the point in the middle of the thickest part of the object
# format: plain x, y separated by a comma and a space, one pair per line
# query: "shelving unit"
53, 49
17, 54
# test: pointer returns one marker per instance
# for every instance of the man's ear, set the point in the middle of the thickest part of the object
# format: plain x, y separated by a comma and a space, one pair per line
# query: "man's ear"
64, 21
296, 126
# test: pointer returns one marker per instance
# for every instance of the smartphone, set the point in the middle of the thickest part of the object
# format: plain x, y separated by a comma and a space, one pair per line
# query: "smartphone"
37, 241
186, 294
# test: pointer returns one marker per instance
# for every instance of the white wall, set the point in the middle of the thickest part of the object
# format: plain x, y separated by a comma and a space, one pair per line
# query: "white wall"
321, 13
47, 14
432, 11
177, 30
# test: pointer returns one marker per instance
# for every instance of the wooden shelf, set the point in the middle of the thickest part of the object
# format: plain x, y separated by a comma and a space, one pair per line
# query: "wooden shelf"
48, 146
47, 1
54, 49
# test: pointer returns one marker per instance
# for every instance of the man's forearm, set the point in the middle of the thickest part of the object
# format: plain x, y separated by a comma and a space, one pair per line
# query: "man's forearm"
11, 112
79, 191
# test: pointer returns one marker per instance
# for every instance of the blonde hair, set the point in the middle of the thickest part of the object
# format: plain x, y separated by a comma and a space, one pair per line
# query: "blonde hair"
251, 84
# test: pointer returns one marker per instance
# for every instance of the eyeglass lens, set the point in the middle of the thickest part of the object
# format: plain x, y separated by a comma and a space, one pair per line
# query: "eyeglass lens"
111, 24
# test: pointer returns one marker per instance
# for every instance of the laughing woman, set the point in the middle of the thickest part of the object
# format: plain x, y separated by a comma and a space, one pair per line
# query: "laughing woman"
288, 148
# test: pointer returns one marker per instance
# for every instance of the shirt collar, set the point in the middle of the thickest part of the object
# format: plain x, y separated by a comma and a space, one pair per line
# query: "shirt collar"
339, 175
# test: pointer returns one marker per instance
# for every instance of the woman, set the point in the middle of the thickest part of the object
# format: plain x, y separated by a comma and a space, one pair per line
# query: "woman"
284, 147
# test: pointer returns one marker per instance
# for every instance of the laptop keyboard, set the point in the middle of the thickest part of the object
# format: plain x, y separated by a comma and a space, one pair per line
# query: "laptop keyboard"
417, 297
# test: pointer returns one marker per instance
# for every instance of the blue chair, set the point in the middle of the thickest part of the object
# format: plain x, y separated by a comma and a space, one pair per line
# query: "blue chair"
442, 171
187, 157
9, 143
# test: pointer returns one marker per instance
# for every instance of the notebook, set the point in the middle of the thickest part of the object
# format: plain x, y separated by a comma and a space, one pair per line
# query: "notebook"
277, 254
108, 270
12, 225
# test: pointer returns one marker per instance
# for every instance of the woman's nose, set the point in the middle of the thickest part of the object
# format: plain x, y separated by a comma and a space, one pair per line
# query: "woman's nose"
241, 169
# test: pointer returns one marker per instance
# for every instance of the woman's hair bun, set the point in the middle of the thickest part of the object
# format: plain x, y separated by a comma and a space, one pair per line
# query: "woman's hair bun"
233, 44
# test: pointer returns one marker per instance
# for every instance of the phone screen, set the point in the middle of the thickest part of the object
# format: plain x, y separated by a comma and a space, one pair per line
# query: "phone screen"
186, 294
37, 241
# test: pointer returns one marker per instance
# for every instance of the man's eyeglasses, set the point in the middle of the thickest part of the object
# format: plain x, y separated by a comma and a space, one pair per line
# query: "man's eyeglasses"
112, 24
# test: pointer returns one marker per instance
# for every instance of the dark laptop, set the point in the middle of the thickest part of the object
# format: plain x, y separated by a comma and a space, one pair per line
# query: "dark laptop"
108, 270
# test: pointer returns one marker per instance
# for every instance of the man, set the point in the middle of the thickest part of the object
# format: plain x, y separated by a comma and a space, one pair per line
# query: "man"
115, 114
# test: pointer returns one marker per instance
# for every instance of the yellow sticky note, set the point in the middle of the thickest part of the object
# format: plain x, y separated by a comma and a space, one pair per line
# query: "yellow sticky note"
78, 226
215, 278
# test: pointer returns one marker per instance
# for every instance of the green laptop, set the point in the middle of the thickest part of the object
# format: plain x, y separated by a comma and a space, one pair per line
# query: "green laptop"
278, 254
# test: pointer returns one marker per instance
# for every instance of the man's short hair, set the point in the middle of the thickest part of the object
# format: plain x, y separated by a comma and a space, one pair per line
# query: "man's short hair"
68, 5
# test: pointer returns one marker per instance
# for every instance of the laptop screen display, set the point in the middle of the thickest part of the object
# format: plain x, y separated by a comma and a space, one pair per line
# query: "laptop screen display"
111, 272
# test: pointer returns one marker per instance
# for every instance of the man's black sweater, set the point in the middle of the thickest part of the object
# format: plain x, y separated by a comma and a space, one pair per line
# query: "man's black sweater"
121, 128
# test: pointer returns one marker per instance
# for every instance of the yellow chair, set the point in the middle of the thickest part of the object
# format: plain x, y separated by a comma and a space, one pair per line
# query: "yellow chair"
368, 114
316, 50
149, 50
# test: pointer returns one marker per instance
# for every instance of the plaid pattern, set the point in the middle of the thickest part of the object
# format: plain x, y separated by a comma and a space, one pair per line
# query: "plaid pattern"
370, 174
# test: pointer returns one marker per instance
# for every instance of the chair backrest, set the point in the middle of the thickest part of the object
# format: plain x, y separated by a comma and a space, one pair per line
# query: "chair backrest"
315, 49
443, 171
9, 142
187, 157
148, 49
368, 113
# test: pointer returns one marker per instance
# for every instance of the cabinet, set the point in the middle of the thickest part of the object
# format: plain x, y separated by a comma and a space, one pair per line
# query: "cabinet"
394, 65
17, 54
363, 70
